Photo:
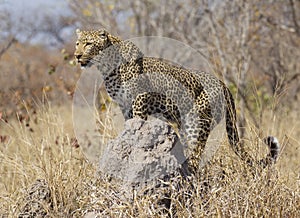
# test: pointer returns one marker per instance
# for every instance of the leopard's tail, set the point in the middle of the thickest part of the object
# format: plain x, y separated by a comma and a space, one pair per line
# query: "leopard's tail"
231, 128
234, 140
274, 147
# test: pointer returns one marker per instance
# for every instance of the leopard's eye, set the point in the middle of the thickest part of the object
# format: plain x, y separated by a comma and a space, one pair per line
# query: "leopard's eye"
77, 43
103, 35
88, 43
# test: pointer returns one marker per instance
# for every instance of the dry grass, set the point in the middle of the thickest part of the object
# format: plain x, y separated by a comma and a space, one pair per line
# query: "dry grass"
44, 149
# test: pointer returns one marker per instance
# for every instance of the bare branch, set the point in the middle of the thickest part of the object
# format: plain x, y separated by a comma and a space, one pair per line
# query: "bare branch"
9, 44
295, 20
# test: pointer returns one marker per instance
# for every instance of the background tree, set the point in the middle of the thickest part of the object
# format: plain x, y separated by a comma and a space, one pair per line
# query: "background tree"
252, 45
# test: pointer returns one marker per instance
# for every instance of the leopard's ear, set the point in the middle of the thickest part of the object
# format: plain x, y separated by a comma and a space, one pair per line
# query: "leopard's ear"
78, 32
113, 39
103, 33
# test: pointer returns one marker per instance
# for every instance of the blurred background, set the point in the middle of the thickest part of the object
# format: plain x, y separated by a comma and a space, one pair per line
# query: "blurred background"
252, 45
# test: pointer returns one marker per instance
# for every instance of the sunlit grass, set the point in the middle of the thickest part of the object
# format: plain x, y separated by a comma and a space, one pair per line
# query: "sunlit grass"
43, 148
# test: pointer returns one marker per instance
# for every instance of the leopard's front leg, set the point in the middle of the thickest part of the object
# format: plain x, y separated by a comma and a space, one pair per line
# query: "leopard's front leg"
149, 103
140, 105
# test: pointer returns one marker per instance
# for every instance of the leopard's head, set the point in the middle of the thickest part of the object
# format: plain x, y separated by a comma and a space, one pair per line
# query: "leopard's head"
90, 43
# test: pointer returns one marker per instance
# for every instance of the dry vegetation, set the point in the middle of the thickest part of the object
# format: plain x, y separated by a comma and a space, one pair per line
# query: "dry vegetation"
254, 45
45, 150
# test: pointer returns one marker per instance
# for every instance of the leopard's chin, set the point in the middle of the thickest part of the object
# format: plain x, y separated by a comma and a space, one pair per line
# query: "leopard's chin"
84, 65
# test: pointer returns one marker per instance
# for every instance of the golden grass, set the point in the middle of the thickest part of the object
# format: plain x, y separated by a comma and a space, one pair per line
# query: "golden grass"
44, 149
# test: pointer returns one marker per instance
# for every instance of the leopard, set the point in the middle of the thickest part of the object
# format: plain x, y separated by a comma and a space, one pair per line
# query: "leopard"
194, 101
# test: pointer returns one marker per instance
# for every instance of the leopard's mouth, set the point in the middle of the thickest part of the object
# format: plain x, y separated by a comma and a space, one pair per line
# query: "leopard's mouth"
84, 62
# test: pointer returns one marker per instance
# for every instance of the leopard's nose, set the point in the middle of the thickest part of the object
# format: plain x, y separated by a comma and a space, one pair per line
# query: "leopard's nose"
78, 56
